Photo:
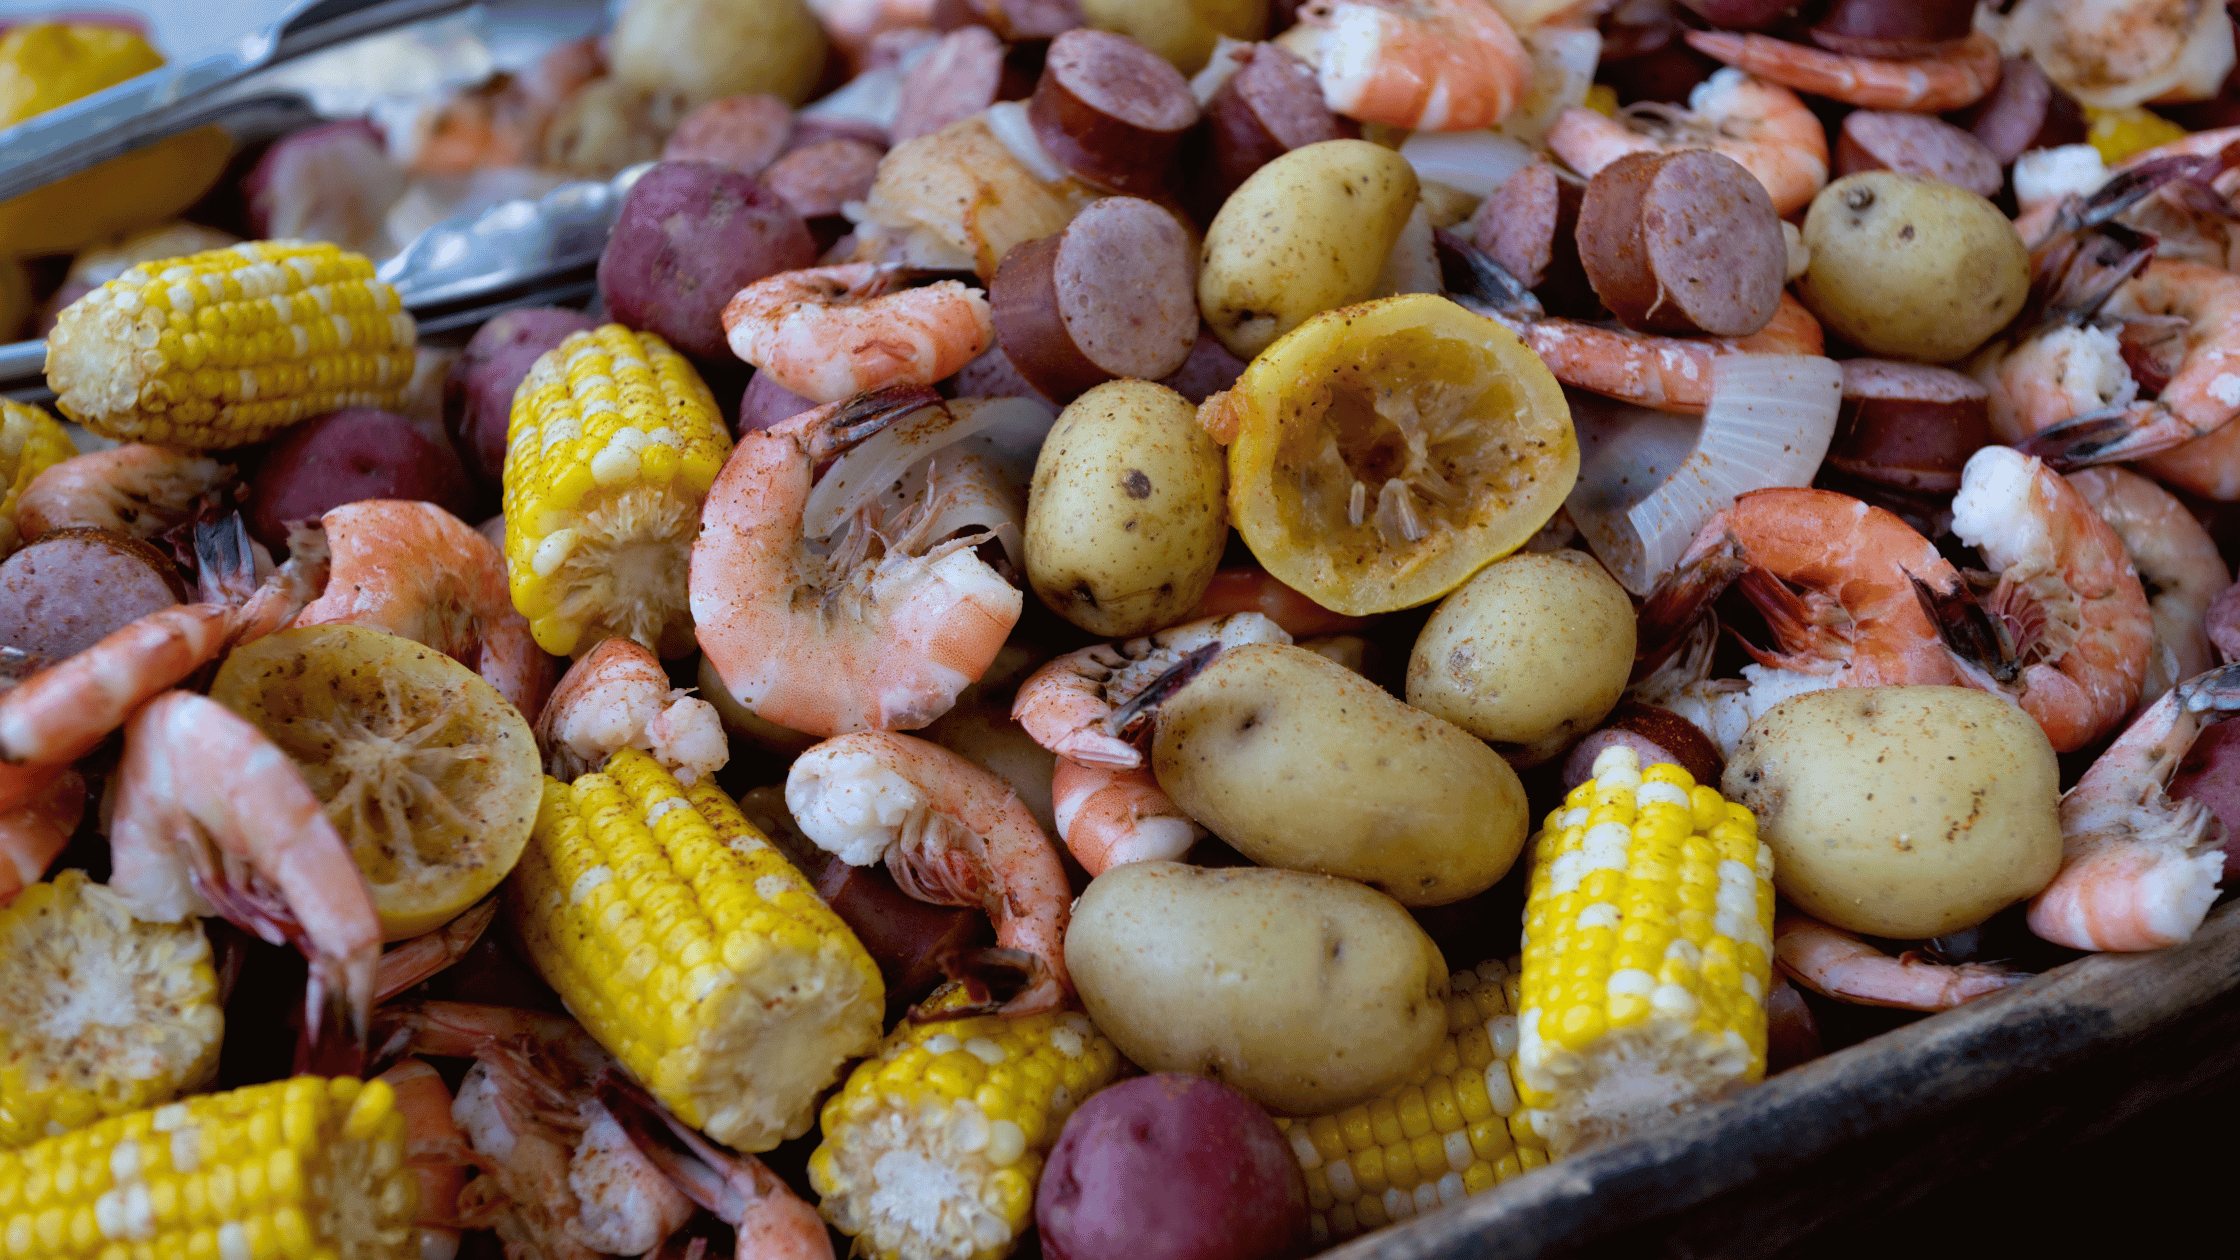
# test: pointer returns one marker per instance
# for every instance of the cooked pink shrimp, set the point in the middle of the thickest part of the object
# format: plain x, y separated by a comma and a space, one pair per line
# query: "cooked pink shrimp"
1762, 126
1836, 964
1427, 65
211, 817
952, 833
1960, 75
2112, 54
435, 1149
39, 807
1109, 816
855, 24
415, 570
2074, 614
617, 696
831, 332
1667, 373
414, 960
133, 489
877, 624
2178, 565
1253, 589
1068, 704
2139, 870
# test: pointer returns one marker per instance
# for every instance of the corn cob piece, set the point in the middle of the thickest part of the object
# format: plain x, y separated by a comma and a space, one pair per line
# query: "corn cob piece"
934, 1148
306, 1169
1453, 1131
1648, 946
101, 1013
31, 441
693, 951
227, 347
611, 446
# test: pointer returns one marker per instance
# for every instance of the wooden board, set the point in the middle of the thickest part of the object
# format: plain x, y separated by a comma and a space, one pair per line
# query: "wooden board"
2059, 1060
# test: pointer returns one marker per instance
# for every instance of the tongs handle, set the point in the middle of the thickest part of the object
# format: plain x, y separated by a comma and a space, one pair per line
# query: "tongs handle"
175, 98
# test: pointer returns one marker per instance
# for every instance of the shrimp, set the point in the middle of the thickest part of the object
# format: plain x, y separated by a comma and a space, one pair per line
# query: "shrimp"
952, 834
618, 696
1068, 704
1252, 589
436, 1150
876, 625
1836, 964
2177, 562
502, 122
1960, 75
1667, 373
1762, 126
2139, 870
211, 817
1426, 65
2073, 612
39, 808
133, 489
2112, 54
415, 570
414, 960
855, 24
1109, 816
831, 332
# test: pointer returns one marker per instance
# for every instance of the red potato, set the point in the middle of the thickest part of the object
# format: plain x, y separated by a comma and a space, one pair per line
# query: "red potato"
1892, 28
1916, 144
745, 133
1653, 733
348, 456
1113, 295
478, 392
2210, 773
1209, 370
67, 591
992, 376
2026, 111
817, 179
765, 402
1683, 242
1908, 426
333, 182
1171, 1167
1792, 1034
690, 235
1110, 110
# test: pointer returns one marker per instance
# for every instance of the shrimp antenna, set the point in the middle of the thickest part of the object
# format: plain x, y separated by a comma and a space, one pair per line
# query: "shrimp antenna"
2095, 437
1470, 273
1969, 633
857, 418
1131, 719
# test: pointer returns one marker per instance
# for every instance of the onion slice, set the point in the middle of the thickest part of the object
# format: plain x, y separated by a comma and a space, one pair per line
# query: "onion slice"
1477, 162
1648, 480
1008, 121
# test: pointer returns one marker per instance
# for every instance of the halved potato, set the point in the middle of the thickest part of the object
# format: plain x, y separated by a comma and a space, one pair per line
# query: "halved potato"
429, 774
1383, 453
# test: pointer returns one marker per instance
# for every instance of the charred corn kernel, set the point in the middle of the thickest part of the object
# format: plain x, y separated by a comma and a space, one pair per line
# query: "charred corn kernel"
143, 1184
31, 441
101, 1014
2119, 133
227, 347
1647, 951
693, 951
44, 65
1433, 1140
612, 444
1602, 99
916, 1165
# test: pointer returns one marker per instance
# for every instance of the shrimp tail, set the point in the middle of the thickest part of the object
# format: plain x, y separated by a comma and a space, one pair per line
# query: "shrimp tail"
992, 976
1471, 273
1977, 640
1131, 720
836, 427
2109, 436
225, 561
1712, 563
740, 1190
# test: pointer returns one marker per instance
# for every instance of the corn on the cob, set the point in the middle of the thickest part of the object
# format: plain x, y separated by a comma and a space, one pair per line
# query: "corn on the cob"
1453, 1131
31, 441
307, 1169
692, 951
934, 1148
224, 348
612, 444
101, 1013
1647, 951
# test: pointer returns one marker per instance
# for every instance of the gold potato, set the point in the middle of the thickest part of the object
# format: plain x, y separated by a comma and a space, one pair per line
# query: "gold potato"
1906, 812
1307, 993
1911, 268
1182, 31
1296, 761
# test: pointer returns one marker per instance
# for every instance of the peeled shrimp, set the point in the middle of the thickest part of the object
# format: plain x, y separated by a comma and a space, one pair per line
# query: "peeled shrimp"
1667, 373
1108, 817
1426, 65
617, 696
133, 489
952, 834
39, 807
1836, 964
875, 626
1762, 126
830, 332
415, 570
211, 817
2139, 870
435, 1149
2178, 565
2111, 54
2074, 614
1067, 705
1960, 75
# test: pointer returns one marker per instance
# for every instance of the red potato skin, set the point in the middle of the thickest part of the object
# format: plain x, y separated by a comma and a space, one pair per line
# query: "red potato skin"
1209, 370
745, 133
993, 375
478, 393
1171, 1167
349, 456
765, 402
691, 235
1655, 735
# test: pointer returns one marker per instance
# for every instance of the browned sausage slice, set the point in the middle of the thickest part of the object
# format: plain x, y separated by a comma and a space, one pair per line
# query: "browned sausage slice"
1111, 110
957, 78
1530, 225
1893, 28
1270, 106
745, 133
2026, 111
817, 180
1683, 242
69, 590
1908, 426
1011, 20
1114, 294
1916, 144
